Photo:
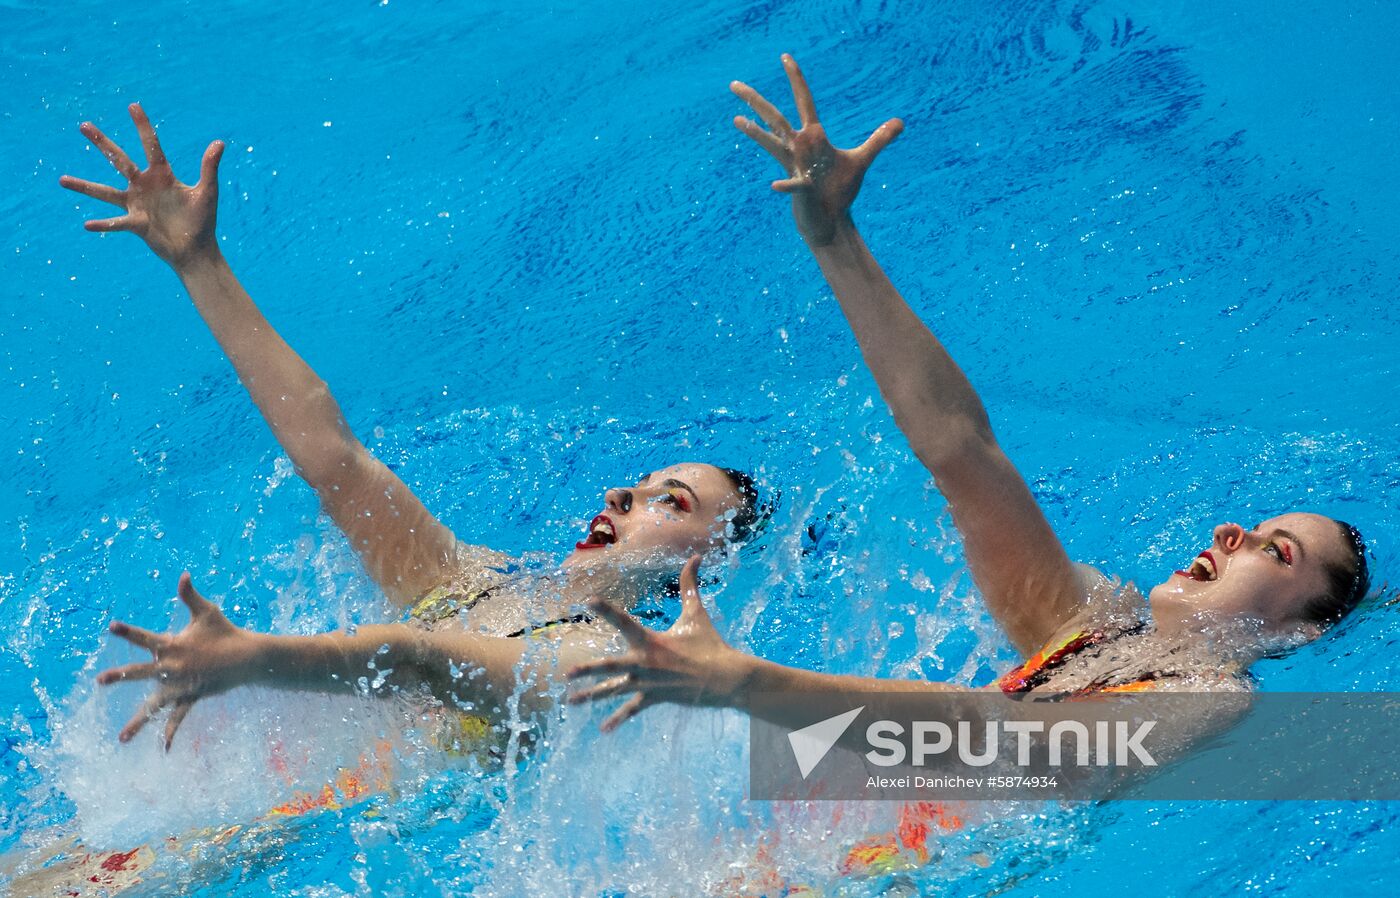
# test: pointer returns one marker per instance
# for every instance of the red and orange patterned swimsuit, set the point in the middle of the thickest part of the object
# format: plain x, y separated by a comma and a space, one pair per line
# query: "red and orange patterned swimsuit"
908, 846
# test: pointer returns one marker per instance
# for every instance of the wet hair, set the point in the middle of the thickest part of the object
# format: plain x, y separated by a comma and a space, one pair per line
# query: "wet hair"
751, 514
1347, 582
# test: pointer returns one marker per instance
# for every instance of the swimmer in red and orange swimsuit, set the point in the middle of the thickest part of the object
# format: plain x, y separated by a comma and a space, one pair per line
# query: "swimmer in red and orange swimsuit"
1251, 591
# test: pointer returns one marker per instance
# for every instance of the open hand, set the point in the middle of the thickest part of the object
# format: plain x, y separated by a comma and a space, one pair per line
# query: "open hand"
209, 656
823, 180
175, 220
688, 664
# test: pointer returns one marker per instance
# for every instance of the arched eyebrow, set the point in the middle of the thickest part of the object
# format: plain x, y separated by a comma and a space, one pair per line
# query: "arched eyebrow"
1289, 534
671, 481
681, 484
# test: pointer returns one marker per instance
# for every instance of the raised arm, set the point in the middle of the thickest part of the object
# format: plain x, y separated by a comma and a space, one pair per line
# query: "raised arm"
1022, 570
404, 548
212, 655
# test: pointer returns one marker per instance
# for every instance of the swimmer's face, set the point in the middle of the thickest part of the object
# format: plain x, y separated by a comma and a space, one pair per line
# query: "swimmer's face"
1266, 574
668, 516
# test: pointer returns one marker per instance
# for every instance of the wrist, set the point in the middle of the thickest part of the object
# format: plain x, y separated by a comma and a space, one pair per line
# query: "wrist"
840, 235
206, 259
266, 658
754, 675
829, 232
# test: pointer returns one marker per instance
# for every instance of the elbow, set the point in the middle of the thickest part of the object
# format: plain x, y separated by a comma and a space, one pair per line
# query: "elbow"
943, 442
332, 466
312, 431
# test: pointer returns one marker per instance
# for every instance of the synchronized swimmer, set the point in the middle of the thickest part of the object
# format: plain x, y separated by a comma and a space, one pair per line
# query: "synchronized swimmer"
1253, 591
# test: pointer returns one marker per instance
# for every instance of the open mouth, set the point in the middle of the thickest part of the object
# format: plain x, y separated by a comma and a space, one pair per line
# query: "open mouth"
1202, 568
600, 534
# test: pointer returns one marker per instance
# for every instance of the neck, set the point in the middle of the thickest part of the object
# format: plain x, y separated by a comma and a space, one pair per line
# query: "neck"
1208, 641
620, 585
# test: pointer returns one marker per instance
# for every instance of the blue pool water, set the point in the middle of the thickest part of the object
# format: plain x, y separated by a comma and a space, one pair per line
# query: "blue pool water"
532, 258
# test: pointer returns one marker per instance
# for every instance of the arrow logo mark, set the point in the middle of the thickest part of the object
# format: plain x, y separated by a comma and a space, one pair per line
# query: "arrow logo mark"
811, 743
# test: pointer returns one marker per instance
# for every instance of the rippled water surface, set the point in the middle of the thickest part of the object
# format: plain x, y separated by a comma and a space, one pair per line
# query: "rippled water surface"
532, 258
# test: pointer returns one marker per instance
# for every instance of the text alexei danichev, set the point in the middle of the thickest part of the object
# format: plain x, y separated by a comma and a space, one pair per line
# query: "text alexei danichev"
962, 782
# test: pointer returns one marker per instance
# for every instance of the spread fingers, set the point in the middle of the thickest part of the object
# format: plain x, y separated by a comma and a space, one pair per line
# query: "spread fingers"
154, 154
773, 145
629, 710
801, 93
149, 708
765, 110
120, 160
626, 624
177, 716
105, 225
97, 191
136, 636
127, 672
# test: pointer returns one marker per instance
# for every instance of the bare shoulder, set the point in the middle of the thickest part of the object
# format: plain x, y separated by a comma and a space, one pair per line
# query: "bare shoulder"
1106, 603
470, 573
480, 567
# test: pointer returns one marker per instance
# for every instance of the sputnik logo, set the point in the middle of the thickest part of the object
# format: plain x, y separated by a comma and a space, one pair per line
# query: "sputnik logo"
811, 743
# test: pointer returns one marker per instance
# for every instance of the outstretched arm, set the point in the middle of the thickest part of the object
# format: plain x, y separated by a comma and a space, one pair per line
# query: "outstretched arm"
212, 655
404, 548
1027, 579
691, 664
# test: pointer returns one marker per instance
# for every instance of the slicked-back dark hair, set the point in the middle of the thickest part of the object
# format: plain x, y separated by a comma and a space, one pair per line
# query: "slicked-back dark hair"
1347, 582
750, 511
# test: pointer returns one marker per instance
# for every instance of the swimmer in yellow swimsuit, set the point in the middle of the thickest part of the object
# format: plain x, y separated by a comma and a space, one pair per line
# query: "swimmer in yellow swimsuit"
467, 604
631, 546
1253, 591
70, 867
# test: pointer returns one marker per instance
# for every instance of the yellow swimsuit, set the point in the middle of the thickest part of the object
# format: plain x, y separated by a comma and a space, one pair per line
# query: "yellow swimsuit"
464, 733
457, 733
